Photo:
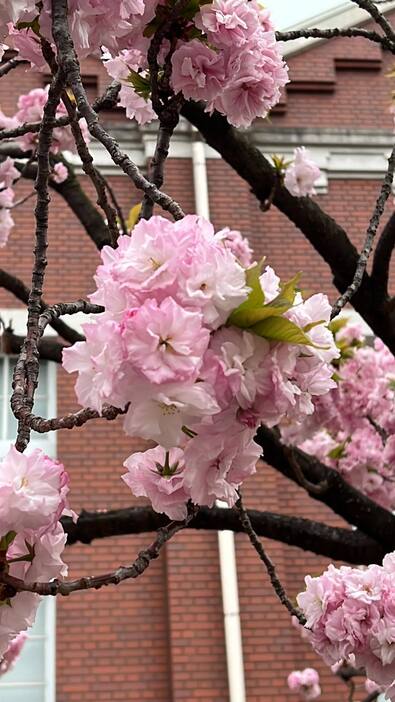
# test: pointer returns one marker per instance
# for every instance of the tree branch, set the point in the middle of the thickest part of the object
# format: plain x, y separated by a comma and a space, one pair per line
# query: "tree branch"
382, 255
357, 509
332, 542
268, 563
140, 564
71, 68
377, 15
18, 288
71, 191
326, 236
10, 65
49, 349
385, 192
350, 32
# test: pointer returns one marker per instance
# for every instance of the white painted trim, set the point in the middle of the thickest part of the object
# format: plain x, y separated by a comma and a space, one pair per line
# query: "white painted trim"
339, 153
343, 16
17, 317
50, 650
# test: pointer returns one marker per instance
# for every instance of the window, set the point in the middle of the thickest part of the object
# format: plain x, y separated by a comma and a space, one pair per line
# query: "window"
33, 677
44, 405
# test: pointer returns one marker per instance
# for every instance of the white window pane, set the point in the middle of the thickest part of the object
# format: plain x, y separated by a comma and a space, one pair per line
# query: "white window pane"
10, 424
24, 694
30, 667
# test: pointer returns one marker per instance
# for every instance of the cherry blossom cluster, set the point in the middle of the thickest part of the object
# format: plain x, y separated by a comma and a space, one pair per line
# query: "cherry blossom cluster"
353, 427
226, 53
306, 682
232, 63
351, 612
31, 109
199, 346
33, 497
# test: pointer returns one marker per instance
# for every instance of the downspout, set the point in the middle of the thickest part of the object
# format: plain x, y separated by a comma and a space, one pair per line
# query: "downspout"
226, 540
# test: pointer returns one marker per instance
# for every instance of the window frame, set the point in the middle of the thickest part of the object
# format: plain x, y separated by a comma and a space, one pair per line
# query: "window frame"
17, 318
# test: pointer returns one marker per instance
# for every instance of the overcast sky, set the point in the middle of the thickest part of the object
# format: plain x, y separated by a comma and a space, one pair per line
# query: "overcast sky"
287, 12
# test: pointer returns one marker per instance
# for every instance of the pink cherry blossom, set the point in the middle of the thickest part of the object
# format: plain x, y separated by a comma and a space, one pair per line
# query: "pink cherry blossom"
227, 22
26, 42
137, 107
33, 491
351, 612
6, 223
99, 361
237, 244
8, 173
60, 173
159, 475
11, 655
165, 342
306, 682
301, 176
198, 71
217, 464
161, 414
17, 10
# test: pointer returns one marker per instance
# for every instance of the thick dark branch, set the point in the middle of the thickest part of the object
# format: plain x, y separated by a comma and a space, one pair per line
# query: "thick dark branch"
327, 237
49, 349
350, 32
357, 509
71, 191
385, 192
95, 582
10, 65
383, 254
338, 544
18, 288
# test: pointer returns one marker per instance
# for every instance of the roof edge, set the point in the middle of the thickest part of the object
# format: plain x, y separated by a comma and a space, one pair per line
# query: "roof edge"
343, 15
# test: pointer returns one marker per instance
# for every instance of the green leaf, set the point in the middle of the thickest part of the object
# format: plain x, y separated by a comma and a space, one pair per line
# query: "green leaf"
309, 327
6, 541
339, 451
282, 329
141, 85
253, 310
337, 324
255, 300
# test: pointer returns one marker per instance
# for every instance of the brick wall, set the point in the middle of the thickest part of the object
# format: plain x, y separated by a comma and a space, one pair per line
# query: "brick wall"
161, 637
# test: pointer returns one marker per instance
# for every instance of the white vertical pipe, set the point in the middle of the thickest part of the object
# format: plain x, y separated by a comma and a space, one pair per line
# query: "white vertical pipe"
231, 610
226, 541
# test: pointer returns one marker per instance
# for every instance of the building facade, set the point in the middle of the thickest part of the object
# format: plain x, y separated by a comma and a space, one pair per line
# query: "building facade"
162, 637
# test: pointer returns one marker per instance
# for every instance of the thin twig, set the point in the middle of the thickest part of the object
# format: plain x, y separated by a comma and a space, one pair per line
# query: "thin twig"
22, 201
27, 367
269, 565
117, 206
385, 192
70, 65
377, 15
351, 32
381, 432
105, 102
141, 563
